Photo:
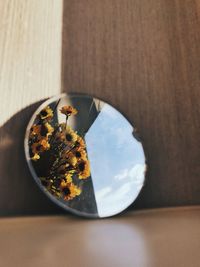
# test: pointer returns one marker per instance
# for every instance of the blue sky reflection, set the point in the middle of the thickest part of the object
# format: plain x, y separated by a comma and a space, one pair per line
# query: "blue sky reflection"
117, 162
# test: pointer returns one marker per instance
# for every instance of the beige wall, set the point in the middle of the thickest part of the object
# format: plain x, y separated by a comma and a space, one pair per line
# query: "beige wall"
30, 53
30, 70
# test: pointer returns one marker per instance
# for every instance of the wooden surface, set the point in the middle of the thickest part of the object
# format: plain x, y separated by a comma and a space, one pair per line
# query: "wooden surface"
155, 238
30, 53
142, 56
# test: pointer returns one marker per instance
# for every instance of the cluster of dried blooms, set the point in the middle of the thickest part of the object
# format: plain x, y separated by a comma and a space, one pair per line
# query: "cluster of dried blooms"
65, 151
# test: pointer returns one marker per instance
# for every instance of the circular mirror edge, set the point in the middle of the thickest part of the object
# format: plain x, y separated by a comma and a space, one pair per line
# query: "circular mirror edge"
35, 177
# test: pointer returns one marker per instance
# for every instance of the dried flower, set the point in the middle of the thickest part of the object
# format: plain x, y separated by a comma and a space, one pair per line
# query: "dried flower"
46, 113
83, 169
68, 177
80, 142
41, 131
72, 160
68, 110
35, 130
78, 153
67, 153
35, 157
70, 136
45, 144
70, 191
40, 146
49, 129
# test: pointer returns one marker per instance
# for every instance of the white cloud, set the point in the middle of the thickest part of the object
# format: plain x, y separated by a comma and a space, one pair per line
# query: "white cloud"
136, 174
122, 175
103, 192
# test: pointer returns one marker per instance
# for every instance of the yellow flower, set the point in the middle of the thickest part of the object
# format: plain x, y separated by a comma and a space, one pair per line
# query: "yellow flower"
83, 169
68, 177
80, 142
67, 180
35, 130
72, 160
63, 184
74, 190
35, 157
45, 144
40, 146
41, 130
46, 113
49, 128
70, 191
70, 136
75, 155
80, 153
68, 110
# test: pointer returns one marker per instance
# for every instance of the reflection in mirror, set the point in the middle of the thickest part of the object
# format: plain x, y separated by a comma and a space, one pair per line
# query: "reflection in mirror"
83, 155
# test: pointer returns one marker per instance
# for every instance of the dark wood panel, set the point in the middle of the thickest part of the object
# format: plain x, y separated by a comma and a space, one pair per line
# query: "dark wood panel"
143, 56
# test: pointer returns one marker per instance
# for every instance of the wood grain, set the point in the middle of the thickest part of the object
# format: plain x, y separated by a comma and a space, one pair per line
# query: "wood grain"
53, 241
30, 70
30, 53
143, 56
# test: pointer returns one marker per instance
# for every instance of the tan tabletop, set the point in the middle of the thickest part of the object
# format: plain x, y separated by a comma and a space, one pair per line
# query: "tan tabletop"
162, 237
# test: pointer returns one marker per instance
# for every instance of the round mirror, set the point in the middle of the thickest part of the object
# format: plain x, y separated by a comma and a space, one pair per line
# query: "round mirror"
84, 155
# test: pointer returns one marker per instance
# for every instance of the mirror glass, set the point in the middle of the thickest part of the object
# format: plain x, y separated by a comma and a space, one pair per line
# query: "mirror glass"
85, 155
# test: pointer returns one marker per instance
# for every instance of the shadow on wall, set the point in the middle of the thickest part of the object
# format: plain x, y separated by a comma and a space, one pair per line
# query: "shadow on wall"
19, 194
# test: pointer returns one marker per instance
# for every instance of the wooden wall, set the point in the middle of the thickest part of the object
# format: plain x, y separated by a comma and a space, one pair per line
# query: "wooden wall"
143, 56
